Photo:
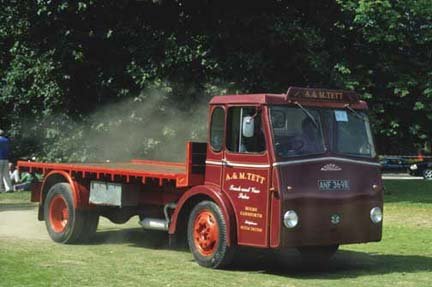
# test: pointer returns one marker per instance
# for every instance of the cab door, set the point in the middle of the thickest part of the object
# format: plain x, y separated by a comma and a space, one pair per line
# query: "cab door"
246, 175
215, 153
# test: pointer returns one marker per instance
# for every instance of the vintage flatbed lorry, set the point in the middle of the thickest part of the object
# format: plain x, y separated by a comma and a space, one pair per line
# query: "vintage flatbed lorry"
295, 170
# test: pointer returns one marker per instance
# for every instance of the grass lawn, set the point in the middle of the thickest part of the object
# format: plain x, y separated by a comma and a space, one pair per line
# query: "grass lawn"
124, 255
17, 198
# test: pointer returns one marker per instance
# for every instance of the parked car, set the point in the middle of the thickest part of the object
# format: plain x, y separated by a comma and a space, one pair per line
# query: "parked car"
394, 164
423, 168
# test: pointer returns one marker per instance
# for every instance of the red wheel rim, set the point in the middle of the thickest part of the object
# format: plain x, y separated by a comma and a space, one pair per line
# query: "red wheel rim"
206, 233
58, 213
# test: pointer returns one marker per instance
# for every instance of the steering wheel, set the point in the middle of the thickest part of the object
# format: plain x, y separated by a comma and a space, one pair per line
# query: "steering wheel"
286, 146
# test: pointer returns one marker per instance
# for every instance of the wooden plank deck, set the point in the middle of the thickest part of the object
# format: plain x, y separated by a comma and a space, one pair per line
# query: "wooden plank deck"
138, 168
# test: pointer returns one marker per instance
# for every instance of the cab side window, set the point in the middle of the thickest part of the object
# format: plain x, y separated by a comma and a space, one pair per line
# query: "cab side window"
217, 129
236, 141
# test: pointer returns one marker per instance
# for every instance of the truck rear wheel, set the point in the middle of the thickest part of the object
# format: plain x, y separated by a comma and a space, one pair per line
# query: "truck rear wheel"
64, 223
207, 236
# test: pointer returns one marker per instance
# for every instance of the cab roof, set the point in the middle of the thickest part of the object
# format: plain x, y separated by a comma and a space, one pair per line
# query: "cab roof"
303, 96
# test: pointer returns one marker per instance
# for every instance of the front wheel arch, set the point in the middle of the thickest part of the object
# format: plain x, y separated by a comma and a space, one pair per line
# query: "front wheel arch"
190, 199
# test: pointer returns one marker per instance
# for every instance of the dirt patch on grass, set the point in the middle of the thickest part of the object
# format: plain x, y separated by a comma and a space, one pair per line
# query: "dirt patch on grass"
21, 222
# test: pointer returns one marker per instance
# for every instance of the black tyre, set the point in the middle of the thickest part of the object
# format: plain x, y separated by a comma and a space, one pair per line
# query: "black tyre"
91, 222
64, 223
316, 255
207, 236
427, 174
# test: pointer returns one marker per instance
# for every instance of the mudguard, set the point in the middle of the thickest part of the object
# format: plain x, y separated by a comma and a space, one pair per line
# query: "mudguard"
218, 197
57, 176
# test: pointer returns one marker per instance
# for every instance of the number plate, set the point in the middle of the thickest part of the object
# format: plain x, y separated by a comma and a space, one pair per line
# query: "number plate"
334, 185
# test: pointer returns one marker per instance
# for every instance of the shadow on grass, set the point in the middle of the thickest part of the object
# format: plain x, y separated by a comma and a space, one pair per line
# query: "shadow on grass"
344, 264
135, 237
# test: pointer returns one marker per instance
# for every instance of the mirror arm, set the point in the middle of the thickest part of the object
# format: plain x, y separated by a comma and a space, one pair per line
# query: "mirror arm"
257, 110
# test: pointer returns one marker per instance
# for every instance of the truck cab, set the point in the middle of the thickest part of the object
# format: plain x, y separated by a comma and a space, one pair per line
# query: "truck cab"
300, 169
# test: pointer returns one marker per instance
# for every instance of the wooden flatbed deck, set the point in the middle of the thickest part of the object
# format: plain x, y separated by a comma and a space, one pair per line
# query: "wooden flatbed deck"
182, 174
142, 170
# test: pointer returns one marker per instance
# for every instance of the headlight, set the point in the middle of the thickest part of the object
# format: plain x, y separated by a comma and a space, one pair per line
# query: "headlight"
290, 219
376, 215
413, 167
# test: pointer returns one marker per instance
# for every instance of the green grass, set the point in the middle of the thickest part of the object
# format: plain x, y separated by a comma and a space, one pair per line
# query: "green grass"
16, 200
22, 197
131, 257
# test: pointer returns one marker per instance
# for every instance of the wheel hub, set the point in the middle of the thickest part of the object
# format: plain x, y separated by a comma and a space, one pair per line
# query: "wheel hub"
58, 213
206, 233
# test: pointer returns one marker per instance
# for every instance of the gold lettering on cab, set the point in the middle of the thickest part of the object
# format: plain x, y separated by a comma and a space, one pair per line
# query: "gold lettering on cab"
245, 176
251, 228
251, 212
318, 94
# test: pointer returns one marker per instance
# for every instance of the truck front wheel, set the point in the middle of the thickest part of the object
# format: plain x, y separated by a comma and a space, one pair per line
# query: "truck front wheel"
64, 223
207, 236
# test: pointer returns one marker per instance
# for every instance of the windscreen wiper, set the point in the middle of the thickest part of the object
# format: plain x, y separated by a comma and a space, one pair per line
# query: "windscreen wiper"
308, 114
348, 107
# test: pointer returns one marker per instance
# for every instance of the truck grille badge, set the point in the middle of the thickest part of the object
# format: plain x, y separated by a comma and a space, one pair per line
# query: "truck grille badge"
330, 167
335, 219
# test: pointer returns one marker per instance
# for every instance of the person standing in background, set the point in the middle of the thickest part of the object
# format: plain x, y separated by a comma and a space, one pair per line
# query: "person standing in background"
4, 163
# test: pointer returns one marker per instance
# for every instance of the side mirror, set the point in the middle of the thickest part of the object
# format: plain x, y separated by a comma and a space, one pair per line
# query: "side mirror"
248, 127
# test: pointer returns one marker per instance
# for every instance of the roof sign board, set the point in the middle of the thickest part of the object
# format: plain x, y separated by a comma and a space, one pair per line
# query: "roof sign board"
322, 95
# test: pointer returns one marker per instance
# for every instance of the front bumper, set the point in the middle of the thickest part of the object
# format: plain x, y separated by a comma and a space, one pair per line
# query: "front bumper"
328, 221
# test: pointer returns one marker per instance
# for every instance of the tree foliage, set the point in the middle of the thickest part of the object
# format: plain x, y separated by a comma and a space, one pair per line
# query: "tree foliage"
392, 66
74, 74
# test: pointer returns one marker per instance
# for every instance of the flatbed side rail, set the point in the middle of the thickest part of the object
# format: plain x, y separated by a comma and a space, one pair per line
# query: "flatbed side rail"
102, 173
181, 175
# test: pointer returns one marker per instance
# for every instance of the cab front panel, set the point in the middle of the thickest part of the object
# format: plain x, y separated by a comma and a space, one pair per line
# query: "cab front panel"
333, 200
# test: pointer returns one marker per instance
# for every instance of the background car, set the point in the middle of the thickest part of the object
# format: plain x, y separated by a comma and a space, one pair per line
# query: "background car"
423, 168
396, 164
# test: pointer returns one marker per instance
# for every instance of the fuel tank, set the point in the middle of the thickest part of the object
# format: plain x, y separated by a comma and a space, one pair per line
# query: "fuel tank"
332, 198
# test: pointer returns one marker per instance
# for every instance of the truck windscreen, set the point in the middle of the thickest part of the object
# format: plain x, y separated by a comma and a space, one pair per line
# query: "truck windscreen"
295, 133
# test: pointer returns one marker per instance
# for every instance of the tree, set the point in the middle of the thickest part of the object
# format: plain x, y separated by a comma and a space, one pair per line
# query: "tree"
74, 74
389, 61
